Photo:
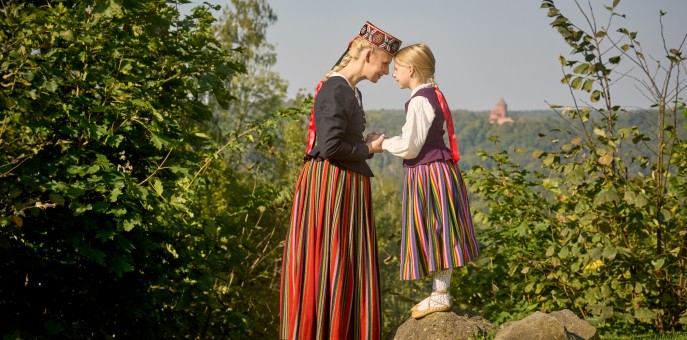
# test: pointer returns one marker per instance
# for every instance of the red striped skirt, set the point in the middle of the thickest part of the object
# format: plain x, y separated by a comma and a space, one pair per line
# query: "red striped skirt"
437, 229
330, 274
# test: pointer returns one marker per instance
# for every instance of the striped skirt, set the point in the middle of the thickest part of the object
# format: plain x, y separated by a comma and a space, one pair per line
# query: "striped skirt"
330, 274
437, 230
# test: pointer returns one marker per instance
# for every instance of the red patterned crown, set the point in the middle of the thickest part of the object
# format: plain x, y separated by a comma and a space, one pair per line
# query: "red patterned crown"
387, 42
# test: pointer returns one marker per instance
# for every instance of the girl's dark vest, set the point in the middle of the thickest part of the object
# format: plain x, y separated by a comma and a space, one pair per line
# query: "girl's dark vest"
435, 148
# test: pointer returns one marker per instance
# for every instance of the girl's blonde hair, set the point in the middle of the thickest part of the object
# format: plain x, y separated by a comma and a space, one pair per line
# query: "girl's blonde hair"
421, 58
357, 47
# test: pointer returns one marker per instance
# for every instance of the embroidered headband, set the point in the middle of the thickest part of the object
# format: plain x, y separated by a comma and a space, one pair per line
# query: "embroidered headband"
385, 41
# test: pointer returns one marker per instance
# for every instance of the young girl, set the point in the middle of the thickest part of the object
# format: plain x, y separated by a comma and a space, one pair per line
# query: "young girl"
330, 277
437, 231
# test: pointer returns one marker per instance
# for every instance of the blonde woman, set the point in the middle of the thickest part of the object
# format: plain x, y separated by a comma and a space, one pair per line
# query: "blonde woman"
437, 231
330, 275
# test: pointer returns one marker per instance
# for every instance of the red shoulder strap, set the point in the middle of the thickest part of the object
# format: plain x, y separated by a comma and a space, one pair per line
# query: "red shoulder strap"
449, 125
311, 127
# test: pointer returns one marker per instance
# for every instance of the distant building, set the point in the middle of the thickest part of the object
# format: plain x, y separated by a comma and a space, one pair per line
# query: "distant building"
499, 114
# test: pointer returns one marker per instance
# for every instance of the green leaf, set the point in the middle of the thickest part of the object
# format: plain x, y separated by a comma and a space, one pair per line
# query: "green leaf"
576, 83
51, 86
561, 59
595, 253
550, 251
599, 132
129, 224
104, 235
606, 195
610, 252
606, 159
95, 255
67, 35
582, 68
658, 264
117, 211
550, 159
120, 265
157, 186
640, 200
57, 199
100, 206
645, 315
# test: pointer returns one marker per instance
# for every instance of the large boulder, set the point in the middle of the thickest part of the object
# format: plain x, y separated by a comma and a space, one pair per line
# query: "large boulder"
559, 325
454, 325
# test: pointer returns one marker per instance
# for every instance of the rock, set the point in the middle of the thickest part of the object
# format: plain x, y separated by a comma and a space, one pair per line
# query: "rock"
582, 329
454, 325
560, 325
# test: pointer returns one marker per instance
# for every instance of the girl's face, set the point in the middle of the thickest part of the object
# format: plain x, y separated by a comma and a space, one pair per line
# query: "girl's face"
402, 74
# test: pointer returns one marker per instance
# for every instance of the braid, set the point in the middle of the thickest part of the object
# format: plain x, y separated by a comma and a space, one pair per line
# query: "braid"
354, 49
340, 66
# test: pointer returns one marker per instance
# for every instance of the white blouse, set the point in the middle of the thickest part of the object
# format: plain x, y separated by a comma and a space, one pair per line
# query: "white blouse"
419, 119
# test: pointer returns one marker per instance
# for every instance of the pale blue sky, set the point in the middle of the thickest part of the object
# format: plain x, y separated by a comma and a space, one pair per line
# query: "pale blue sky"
485, 49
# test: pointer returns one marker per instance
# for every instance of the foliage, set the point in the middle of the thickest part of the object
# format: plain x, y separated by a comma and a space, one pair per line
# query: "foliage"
584, 232
259, 91
147, 167
101, 151
247, 203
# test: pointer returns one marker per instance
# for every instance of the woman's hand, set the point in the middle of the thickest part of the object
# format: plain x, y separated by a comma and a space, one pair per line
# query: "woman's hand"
374, 143
372, 136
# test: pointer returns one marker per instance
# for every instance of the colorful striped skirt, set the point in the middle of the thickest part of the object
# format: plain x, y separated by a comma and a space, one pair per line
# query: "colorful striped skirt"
330, 273
437, 230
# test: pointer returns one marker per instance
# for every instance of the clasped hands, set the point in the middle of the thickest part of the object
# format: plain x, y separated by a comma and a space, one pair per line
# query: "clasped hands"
374, 142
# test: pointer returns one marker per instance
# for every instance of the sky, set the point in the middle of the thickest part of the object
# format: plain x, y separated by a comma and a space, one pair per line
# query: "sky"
485, 50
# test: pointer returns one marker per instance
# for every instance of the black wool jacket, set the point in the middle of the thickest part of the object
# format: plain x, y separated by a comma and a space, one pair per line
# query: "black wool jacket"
339, 126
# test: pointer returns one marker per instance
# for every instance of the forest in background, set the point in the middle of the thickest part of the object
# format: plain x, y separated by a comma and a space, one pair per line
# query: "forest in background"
529, 132
147, 169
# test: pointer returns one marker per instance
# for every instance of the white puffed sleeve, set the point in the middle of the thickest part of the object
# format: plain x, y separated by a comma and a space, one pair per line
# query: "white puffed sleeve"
414, 133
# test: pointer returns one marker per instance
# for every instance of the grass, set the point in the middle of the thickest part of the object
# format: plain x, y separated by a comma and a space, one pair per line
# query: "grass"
669, 336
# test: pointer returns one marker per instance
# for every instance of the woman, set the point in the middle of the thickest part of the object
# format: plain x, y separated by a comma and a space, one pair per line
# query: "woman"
330, 275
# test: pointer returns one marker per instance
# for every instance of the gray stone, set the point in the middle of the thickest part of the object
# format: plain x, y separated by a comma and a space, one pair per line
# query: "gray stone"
580, 328
454, 325
560, 325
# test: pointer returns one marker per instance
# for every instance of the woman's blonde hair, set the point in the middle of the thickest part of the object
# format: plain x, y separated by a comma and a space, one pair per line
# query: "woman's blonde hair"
357, 47
421, 58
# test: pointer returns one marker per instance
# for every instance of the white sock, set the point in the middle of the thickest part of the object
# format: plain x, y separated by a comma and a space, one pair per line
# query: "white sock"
441, 282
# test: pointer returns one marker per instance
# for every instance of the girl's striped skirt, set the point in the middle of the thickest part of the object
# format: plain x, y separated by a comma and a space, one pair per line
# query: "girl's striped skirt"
437, 231
330, 275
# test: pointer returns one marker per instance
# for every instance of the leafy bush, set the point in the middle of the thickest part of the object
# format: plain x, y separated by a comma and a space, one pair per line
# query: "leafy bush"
100, 145
584, 232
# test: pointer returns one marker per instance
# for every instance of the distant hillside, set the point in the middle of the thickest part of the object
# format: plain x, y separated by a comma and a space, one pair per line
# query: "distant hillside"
530, 131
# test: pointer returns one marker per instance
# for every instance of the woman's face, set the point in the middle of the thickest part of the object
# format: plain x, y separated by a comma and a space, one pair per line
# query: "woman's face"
378, 65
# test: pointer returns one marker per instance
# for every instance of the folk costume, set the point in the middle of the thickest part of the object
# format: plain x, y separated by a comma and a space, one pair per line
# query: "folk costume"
330, 277
437, 229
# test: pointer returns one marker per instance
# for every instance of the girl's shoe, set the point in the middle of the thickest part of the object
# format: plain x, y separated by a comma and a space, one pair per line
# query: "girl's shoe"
433, 306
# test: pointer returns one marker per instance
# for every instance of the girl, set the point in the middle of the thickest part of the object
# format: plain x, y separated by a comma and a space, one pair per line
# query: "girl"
437, 231
330, 274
